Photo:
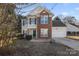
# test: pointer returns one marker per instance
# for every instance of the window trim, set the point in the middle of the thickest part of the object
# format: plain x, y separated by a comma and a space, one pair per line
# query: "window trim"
32, 21
24, 22
44, 19
43, 32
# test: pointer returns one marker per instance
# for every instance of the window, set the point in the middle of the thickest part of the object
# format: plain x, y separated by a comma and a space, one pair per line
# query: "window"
23, 31
44, 19
74, 33
44, 33
32, 21
68, 33
24, 22
77, 32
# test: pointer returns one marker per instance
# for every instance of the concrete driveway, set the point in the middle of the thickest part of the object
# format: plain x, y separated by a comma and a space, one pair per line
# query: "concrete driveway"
68, 42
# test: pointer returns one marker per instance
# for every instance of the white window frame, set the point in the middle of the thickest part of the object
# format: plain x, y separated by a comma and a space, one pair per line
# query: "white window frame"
44, 32
24, 21
43, 19
33, 21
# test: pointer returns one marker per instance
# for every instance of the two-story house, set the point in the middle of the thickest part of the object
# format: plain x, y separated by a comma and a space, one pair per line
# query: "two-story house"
38, 23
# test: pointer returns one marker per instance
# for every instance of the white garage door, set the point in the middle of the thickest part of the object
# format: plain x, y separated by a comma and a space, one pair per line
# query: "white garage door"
58, 32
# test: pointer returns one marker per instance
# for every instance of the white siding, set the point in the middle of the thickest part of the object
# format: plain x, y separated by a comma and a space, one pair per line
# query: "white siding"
23, 27
27, 25
59, 32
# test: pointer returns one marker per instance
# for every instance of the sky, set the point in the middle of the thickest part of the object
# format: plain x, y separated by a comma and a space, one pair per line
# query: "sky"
65, 9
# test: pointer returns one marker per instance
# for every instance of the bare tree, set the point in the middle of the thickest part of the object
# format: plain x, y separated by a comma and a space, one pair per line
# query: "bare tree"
9, 22
69, 19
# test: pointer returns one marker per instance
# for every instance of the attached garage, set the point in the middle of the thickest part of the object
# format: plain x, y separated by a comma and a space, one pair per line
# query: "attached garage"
58, 31
59, 28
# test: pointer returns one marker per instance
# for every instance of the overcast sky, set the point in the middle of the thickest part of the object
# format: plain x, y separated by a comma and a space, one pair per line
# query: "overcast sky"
66, 9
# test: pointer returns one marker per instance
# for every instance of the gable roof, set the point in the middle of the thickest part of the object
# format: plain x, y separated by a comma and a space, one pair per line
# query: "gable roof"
39, 9
57, 22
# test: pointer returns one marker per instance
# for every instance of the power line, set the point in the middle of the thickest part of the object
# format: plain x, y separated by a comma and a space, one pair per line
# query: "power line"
54, 6
22, 6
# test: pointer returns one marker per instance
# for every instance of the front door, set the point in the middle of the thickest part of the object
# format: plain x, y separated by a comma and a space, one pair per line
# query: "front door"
34, 33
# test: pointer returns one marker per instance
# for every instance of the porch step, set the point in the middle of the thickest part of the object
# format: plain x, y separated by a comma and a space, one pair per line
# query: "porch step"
40, 40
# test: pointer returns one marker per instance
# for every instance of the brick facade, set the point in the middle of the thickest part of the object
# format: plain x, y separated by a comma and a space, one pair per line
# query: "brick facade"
46, 26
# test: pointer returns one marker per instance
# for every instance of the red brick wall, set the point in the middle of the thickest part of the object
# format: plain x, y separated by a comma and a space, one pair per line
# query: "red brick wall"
48, 26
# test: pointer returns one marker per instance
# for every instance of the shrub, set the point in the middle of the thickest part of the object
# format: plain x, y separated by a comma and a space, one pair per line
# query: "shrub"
28, 37
21, 36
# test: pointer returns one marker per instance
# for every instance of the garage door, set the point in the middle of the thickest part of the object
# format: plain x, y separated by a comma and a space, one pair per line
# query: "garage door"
58, 33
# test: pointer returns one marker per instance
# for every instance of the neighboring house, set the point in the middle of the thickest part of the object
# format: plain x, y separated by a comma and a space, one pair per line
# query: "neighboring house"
38, 23
72, 25
59, 29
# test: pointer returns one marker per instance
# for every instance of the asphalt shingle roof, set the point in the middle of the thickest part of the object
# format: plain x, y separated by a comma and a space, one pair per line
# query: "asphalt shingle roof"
57, 22
74, 25
38, 9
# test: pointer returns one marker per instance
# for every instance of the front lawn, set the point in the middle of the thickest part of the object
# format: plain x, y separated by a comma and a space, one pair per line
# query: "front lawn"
27, 48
